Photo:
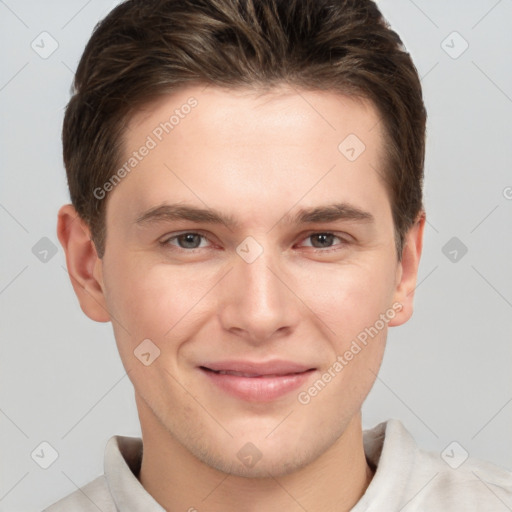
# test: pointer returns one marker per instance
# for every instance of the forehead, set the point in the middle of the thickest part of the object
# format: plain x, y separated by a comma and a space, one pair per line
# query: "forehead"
241, 111
208, 144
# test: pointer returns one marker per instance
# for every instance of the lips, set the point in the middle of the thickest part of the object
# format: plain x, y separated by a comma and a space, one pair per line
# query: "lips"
257, 381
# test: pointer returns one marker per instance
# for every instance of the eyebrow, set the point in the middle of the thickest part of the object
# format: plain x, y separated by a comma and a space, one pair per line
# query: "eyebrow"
318, 214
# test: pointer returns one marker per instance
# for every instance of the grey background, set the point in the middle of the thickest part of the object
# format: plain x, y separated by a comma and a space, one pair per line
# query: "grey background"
446, 373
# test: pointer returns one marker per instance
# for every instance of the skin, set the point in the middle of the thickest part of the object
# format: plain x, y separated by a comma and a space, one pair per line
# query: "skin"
256, 157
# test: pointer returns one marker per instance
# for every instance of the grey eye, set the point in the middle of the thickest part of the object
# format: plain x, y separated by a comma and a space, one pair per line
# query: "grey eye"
324, 239
189, 240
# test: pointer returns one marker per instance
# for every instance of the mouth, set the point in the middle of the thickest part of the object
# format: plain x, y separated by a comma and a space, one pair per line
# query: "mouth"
257, 382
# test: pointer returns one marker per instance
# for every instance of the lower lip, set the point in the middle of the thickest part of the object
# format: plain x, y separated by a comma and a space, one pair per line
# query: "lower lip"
258, 389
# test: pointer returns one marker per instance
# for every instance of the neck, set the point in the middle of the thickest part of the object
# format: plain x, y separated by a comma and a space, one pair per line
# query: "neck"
177, 480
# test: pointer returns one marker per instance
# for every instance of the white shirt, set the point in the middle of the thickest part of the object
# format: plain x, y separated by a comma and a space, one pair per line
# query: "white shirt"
406, 479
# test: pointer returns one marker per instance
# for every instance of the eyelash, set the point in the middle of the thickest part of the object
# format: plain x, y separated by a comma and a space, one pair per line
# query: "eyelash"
165, 243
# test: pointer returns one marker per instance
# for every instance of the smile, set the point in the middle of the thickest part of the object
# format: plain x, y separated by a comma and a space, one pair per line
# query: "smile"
257, 382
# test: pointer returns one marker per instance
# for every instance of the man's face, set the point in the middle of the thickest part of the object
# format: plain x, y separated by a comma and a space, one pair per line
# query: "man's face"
271, 299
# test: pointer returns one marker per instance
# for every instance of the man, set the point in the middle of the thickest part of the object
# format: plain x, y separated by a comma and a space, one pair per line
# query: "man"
246, 180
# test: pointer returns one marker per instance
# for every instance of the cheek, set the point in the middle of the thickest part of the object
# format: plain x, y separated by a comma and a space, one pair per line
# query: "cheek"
154, 301
350, 298
356, 304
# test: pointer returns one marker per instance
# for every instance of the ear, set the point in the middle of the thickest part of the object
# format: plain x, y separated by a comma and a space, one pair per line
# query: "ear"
84, 266
407, 271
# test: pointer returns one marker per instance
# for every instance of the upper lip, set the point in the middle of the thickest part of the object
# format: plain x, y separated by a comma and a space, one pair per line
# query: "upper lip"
275, 367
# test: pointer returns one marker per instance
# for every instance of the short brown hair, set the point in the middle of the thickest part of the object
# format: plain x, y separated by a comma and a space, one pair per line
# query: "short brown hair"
147, 48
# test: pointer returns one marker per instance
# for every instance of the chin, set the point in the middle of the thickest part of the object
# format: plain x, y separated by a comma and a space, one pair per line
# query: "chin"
254, 456
279, 465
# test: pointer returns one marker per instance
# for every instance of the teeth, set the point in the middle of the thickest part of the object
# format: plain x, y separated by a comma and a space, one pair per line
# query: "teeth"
240, 374
248, 375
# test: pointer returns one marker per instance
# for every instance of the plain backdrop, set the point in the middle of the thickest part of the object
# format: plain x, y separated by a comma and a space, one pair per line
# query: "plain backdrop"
446, 373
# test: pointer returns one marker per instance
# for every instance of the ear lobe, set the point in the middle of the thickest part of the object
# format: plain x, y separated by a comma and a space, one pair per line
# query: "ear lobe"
407, 272
84, 266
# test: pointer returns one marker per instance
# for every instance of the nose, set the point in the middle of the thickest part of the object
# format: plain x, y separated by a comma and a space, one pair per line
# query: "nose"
258, 302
